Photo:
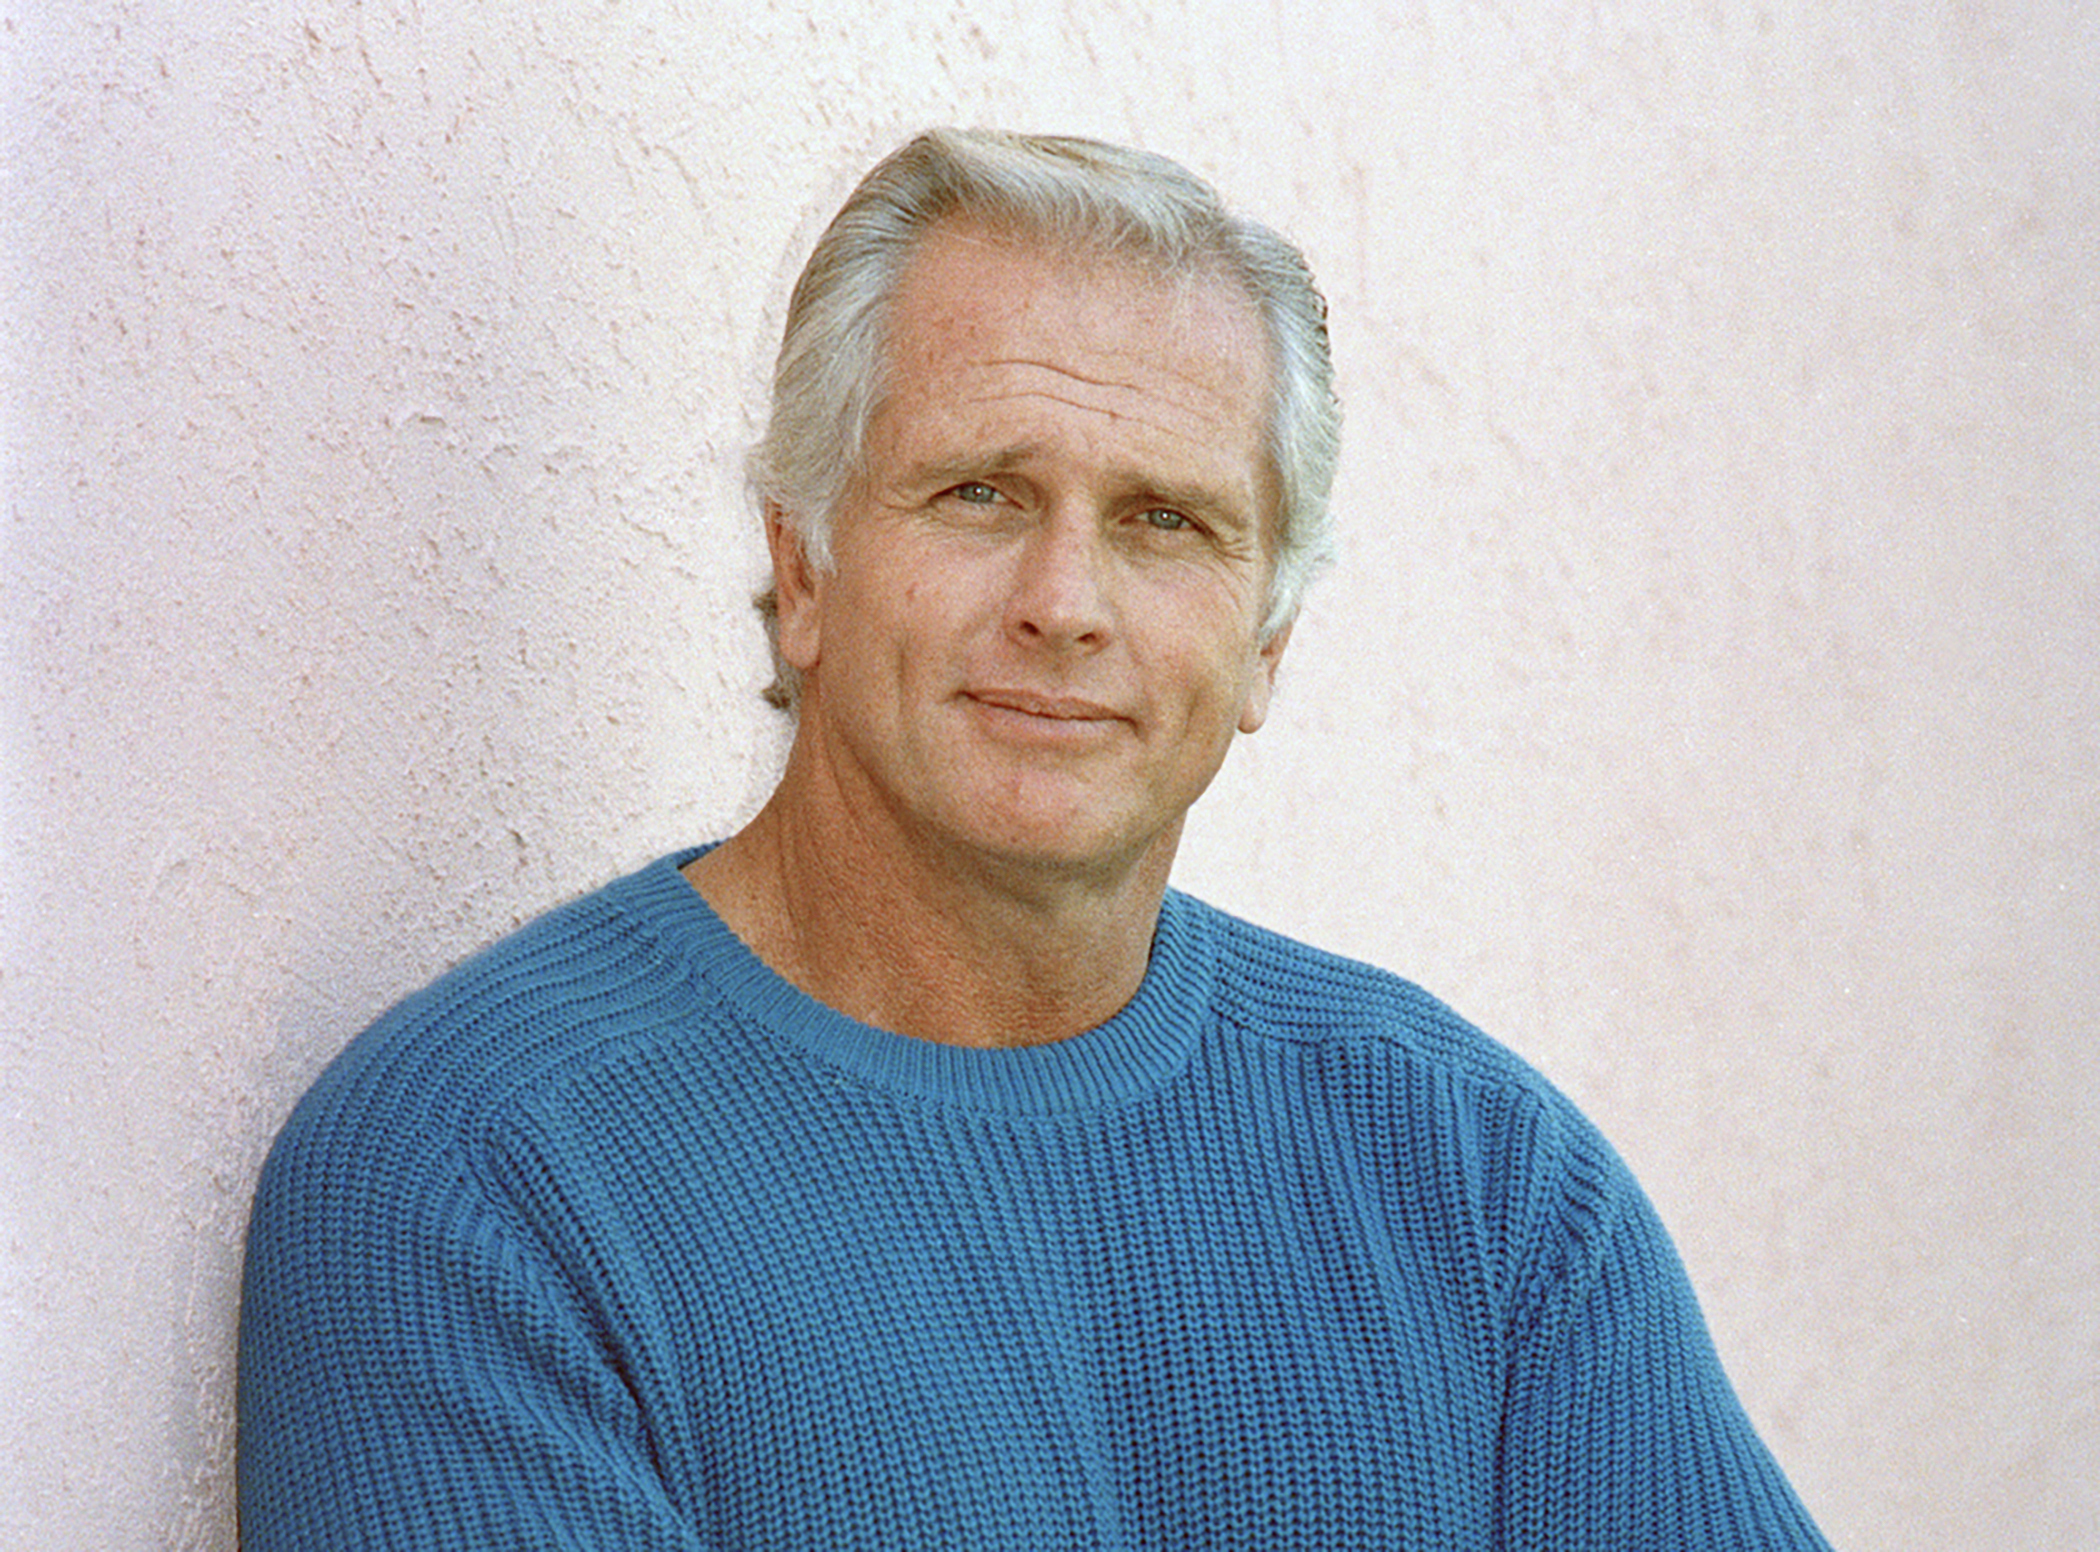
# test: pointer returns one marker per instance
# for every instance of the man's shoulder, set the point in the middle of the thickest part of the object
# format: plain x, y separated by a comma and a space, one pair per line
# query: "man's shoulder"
1278, 988
561, 991
1393, 1066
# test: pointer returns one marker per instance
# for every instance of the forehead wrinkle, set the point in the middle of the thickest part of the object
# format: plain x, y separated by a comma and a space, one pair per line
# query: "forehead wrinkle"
1193, 399
1111, 411
1065, 371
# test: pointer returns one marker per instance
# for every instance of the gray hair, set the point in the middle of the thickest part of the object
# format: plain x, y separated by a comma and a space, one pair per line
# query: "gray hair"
1063, 191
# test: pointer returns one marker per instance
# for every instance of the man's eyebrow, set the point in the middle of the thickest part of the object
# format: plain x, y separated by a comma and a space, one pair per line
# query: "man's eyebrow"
1203, 500
1200, 498
964, 466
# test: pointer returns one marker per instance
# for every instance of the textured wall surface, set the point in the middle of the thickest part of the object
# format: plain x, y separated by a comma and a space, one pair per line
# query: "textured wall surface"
1709, 703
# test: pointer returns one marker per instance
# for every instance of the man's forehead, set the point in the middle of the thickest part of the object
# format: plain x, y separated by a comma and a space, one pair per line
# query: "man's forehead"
1103, 318
996, 343
1199, 291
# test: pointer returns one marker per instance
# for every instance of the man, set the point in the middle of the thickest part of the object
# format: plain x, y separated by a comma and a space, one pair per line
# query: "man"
913, 1168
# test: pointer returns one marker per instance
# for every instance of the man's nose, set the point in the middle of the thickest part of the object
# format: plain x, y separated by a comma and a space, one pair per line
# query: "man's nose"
1059, 595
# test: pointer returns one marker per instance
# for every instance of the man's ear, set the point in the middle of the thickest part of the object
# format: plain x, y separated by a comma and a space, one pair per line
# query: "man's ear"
797, 584
1256, 710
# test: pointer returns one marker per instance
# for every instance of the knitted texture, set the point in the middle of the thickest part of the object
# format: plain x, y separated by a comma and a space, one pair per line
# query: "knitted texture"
613, 1239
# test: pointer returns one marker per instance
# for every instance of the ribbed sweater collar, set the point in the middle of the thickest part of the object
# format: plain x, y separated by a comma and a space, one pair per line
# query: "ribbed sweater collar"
1136, 1051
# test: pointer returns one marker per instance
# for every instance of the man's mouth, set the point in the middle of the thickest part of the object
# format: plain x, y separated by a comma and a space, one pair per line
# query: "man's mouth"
1055, 708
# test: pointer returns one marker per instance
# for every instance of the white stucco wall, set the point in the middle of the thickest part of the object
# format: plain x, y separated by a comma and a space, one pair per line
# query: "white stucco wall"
1709, 705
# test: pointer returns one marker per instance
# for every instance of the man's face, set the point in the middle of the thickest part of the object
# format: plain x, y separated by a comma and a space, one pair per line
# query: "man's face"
1042, 626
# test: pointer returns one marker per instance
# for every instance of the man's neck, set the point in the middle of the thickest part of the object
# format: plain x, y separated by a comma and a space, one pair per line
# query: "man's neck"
957, 950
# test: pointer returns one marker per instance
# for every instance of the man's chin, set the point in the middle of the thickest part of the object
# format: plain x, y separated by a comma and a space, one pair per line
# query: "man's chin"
1071, 846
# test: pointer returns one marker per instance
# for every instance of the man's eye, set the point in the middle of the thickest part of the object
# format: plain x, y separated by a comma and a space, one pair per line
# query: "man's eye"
976, 493
1166, 519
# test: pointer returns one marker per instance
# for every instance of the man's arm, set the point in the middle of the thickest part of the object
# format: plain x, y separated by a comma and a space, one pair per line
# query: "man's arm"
416, 1373
1621, 1429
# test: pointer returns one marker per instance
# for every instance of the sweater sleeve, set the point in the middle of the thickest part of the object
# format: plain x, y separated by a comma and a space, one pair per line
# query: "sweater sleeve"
1621, 1430
415, 1372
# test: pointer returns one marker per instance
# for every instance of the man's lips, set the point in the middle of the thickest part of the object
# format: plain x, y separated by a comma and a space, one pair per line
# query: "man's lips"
1054, 708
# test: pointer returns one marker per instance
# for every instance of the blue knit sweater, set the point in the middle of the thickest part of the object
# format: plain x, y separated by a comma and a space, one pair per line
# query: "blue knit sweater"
613, 1239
